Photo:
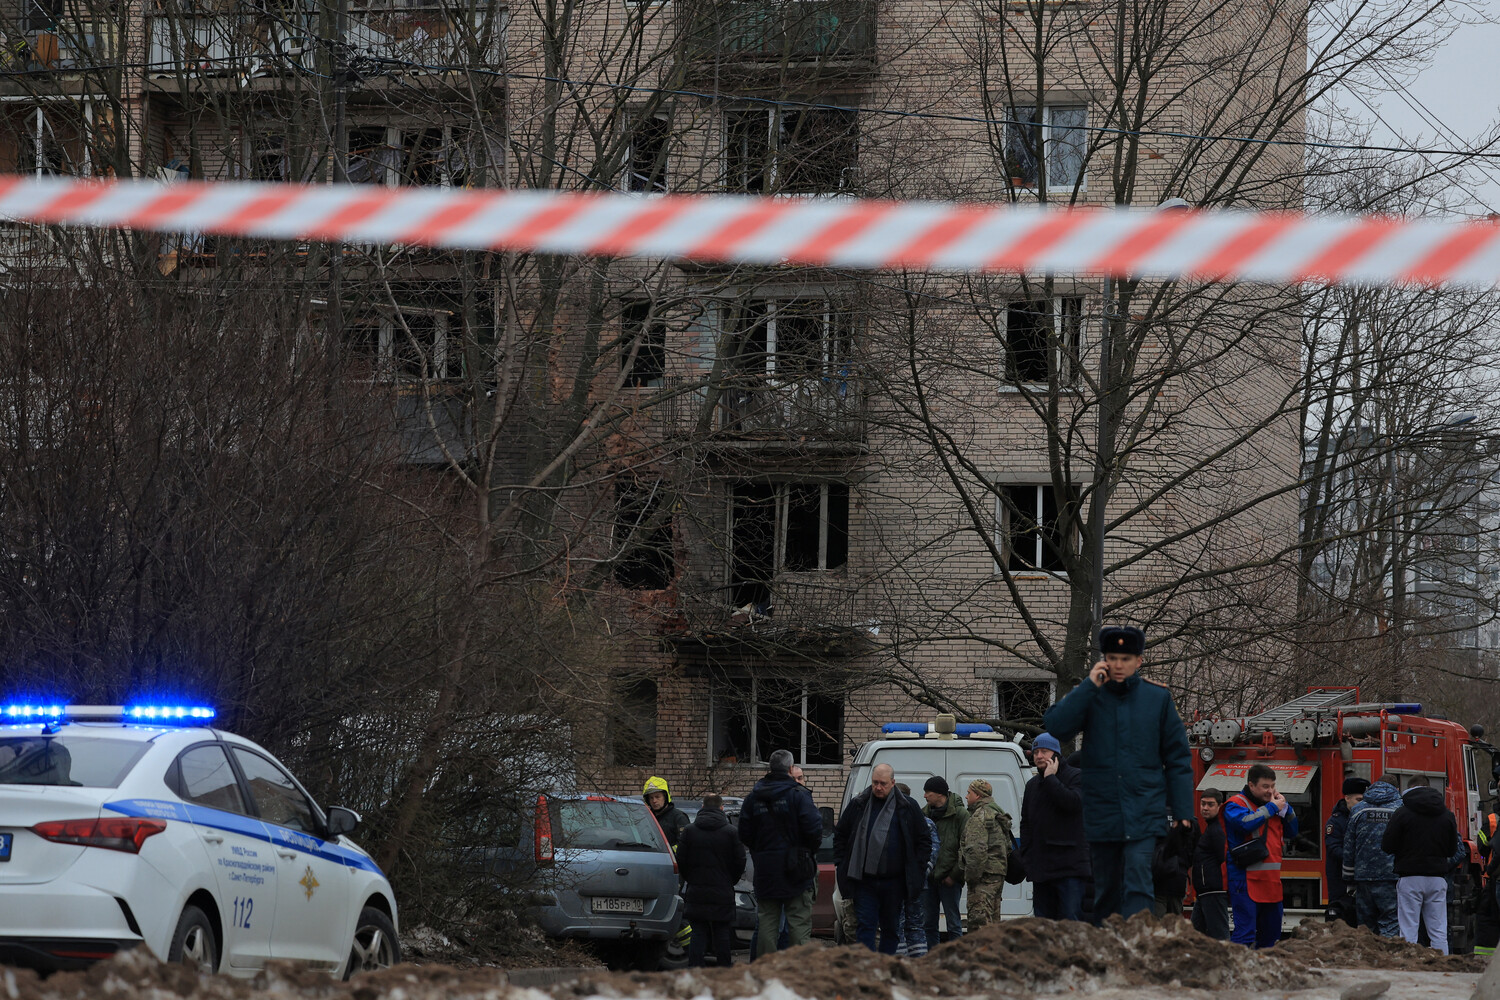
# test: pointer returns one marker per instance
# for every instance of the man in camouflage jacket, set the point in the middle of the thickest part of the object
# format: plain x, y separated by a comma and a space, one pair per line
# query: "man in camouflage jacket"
983, 853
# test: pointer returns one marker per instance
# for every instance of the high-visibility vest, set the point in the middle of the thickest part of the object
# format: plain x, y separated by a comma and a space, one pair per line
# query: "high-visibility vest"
1263, 879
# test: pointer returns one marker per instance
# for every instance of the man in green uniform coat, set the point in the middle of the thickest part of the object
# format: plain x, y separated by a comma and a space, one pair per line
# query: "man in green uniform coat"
1136, 765
983, 853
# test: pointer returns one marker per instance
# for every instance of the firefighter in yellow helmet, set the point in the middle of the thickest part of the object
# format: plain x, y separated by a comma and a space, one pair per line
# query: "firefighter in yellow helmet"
673, 820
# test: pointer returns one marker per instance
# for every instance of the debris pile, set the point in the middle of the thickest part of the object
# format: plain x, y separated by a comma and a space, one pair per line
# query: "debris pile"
1337, 945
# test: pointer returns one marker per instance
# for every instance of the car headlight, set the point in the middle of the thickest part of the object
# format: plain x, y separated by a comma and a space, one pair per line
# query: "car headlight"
744, 901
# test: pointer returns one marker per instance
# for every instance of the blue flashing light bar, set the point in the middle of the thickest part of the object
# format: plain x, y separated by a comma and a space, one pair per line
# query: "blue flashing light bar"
962, 729
170, 714
32, 711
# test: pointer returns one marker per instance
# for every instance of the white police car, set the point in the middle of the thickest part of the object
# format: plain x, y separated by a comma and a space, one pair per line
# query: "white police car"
128, 826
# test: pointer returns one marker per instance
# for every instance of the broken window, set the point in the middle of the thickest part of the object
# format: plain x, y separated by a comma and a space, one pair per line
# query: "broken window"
371, 158
434, 156
646, 157
754, 716
792, 338
643, 535
643, 347
781, 150
1022, 701
413, 343
795, 527
1030, 535
632, 723
1062, 129
1040, 335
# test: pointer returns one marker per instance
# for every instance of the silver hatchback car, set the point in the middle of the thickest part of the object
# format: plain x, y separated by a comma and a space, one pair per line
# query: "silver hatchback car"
601, 870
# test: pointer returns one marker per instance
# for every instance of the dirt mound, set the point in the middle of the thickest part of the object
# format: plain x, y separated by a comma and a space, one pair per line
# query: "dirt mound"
1337, 945
136, 975
1016, 957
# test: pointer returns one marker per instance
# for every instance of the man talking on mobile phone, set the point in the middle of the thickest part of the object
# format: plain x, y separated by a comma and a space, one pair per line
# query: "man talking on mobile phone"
1136, 763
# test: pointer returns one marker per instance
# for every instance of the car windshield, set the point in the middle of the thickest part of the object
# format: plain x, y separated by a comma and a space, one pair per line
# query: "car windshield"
605, 825
61, 760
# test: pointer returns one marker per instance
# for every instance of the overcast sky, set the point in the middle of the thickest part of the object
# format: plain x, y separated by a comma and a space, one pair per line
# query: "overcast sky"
1460, 90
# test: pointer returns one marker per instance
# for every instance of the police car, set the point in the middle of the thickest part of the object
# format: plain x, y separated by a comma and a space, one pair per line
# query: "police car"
126, 826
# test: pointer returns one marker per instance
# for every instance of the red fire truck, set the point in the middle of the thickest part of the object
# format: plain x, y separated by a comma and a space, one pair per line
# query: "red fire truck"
1315, 741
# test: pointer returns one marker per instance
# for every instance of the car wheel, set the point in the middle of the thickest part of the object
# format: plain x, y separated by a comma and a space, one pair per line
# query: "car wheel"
193, 942
375, 945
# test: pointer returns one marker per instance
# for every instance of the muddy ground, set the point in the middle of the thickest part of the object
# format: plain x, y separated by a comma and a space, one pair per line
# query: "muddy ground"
1142, 958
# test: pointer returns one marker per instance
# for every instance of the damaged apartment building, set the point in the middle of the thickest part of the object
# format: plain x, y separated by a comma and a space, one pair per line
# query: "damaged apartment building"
808, 501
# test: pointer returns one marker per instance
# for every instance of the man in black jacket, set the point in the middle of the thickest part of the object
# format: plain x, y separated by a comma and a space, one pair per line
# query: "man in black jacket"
1422, 837
1333, 834
711, 859
1053, 850
1169, 869
777, 818
1211, 909
880, 846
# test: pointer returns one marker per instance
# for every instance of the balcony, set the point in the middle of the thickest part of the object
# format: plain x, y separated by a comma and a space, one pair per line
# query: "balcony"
819, 413
63, 47
224, 45
409, 40
827, 616
771, 32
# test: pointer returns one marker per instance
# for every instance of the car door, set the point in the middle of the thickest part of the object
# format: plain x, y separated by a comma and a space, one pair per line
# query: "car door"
1001, 767
237, 849
313, 919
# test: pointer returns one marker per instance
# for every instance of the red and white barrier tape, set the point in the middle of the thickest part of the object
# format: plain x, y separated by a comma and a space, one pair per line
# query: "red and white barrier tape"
1242, 246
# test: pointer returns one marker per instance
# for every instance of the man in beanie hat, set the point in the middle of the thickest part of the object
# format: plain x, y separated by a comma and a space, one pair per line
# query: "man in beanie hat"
1136, 767
984, 852
1053, 848
1333, 839
946, 883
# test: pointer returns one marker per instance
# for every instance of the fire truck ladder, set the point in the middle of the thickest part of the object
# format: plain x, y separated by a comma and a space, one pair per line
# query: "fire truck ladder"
1277, 718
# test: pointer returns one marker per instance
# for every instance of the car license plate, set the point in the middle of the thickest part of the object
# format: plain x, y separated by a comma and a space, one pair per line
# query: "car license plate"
616, 904
5, 842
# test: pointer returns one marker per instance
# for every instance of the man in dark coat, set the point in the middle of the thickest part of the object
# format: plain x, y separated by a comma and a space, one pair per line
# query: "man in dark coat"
711, 859
1210, 880
1333, 835
1136, 767
777, 818
880, 845
1170, 866
1052, 847
1368, 867
1422, 839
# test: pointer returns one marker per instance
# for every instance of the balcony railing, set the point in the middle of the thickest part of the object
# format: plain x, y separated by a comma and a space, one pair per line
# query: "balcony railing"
222, 44
768, 30
826, 409
64, 48
791, 612
408, 39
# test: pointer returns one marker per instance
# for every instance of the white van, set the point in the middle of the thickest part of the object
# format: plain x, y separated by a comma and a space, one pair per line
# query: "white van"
960, 753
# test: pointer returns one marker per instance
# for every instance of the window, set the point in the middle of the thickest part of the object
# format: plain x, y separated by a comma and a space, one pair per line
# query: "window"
205, 777
643, 334
643, 536
646, 157
436, 156
412, 345
1042, 335
632, 724
779, 150
277, 798
793, 338
63, 760
755, 716
1030, 538
796, 527
1022, 701
1063, 131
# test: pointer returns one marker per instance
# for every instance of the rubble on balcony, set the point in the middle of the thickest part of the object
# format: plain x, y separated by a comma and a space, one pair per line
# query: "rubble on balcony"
783, 615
